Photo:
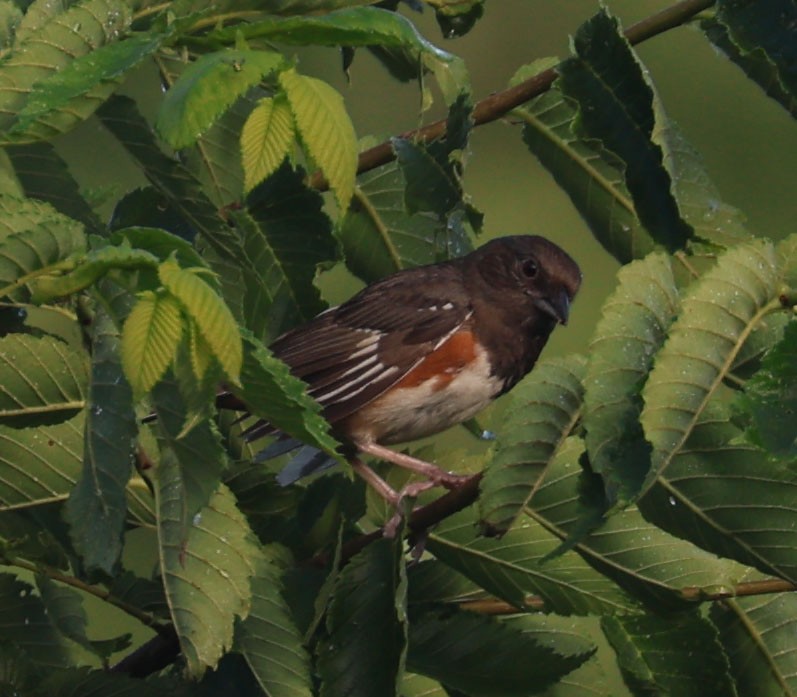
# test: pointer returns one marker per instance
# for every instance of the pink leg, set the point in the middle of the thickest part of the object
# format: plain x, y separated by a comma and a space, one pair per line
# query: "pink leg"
436, 475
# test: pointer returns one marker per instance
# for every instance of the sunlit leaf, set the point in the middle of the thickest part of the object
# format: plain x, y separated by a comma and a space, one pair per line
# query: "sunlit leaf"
266, 139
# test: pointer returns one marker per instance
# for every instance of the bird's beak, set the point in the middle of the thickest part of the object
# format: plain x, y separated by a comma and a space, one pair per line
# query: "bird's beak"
557, 306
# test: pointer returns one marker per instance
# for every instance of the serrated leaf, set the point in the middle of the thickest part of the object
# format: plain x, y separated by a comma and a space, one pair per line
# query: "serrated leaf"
39, 465
161, 243
615, 106
150, 338
760, 43
363, 653
46, 177
48, 46
207, 573
717, 317
659, 655
97, 506
83, 76
484, 657
360, 26
207, 89
591, 175
756, 635
23, 616
44, 380
511, 569
326, 130
212, 317
271, 392
380, 237
269, 639
286, 238
266, 139
546, 407
81, 682
770, 397
633, 325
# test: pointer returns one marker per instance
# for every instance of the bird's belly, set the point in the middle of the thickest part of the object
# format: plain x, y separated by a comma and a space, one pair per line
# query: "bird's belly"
412, 412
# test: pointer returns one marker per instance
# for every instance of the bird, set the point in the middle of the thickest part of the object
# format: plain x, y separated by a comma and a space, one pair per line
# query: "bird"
426, 348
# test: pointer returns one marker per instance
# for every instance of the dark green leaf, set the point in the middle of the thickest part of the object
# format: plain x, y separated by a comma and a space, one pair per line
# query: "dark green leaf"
84, 682
97, 506
670, 656
363, 653
484, 657
615, 106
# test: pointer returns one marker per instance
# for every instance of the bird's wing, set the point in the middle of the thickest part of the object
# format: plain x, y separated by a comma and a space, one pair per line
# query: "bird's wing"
351, 354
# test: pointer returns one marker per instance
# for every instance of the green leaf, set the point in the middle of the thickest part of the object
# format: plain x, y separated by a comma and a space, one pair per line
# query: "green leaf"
615, 106
545, 408
206, 574
658, 655
209, 87
760, 43
757, 635
380, 237
23, 616
363, 653
39, 465
770, 397
633, 325
97, 506
484, 657
213, 318
360, 26
81, 682
326, 130
45, 176
511, 569
271, 392
266, 139
717, 317
44, 380
269, 639
54, 94
47, 46
150, 338
590, 174
162, 244
287, 238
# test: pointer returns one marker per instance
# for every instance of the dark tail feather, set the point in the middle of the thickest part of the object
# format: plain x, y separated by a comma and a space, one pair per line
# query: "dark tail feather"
307, 461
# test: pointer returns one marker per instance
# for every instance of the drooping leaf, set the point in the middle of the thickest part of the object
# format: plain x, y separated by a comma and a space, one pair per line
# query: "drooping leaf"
49, 45
484, 657
150, 338
209, 87
325, 129
760, 43
46, 177
633, 325
207, 573
39, 465
266, 139
160, 243
770, 397
363, 652
44, 380
657, 655
33, 236
269, 639
546, 407
615, 106
97, 506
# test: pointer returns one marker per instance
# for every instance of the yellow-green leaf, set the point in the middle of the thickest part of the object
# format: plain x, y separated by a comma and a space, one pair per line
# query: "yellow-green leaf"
150, 337
266, 139
213, 318
326, 130
201, 353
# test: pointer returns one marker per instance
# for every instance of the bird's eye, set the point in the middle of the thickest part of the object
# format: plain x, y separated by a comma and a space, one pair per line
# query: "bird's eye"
529, 268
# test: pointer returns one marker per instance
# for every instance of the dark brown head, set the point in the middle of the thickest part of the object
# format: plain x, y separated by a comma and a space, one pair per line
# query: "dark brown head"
527, 273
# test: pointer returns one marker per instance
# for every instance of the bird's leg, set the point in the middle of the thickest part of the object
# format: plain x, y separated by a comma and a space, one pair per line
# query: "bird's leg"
432, 472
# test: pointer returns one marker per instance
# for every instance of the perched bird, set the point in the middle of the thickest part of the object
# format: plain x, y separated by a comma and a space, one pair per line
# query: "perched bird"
426, 348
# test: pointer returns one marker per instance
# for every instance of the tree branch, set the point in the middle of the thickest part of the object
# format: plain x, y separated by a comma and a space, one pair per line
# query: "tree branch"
501, 103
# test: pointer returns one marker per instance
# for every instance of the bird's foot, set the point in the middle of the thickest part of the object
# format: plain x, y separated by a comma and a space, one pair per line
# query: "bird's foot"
433, 473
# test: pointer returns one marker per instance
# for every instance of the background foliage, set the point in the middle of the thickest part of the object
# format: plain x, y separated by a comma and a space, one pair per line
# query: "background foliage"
631, 529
